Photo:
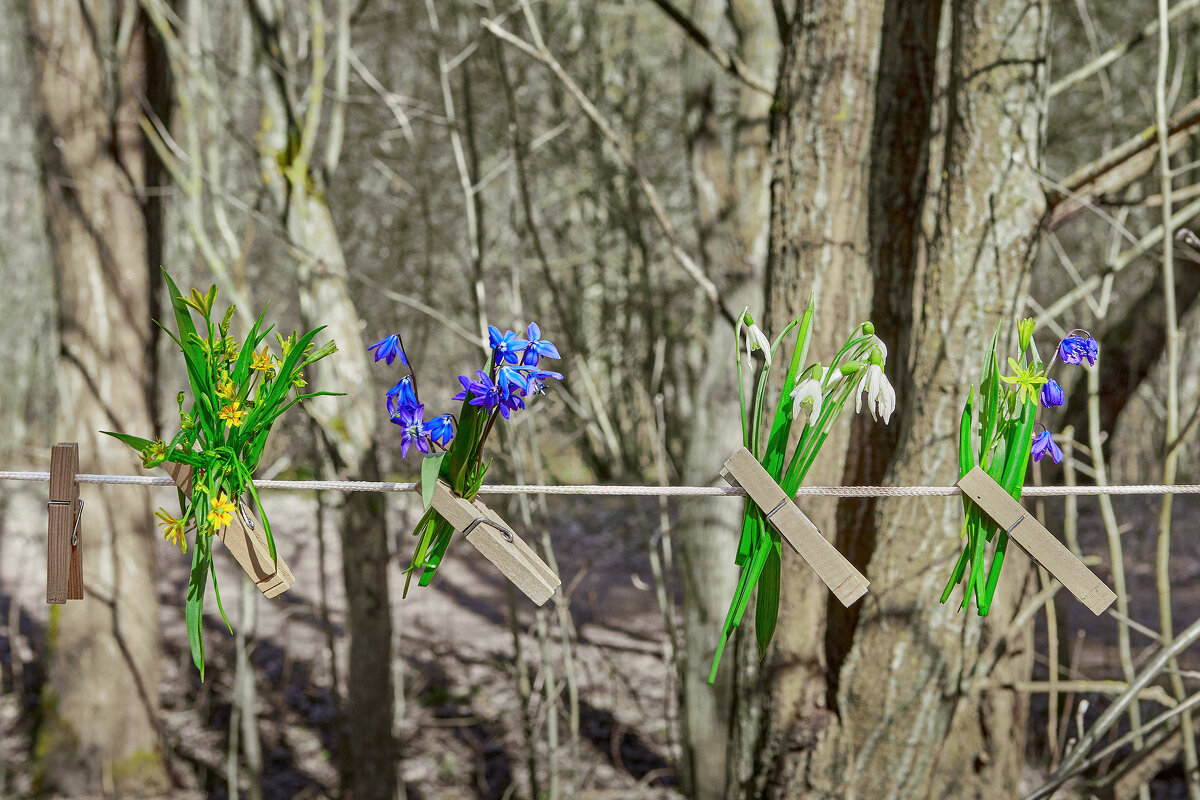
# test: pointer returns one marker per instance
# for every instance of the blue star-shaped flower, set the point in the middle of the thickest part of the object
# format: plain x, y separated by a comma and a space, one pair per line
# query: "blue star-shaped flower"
441, 429
537, 381
467, 383
537, 346
388, 349
486, 394
1074, 349
401, 396
509, 377
412, 429
1043, 443
506, 347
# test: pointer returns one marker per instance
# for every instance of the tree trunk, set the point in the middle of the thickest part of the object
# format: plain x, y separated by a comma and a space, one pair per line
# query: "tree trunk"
99, 727
910, 718
27, 302
731, 190
369, 755
820, 141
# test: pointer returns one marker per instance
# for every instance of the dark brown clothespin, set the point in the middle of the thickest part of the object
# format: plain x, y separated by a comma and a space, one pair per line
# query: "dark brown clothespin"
847, 583
492, 537
64, 553
245, 541
1032, 537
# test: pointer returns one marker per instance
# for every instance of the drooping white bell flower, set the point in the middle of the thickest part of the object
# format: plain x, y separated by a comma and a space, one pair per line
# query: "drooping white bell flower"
881, 397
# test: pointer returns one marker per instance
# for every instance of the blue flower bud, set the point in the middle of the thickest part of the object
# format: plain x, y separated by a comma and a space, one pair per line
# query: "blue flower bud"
1052, 394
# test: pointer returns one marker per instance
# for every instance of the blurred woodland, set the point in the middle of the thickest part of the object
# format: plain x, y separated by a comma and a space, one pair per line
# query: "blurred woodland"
630, 174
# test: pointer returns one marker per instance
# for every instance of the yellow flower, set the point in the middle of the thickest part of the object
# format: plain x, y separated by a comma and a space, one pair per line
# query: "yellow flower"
261, 361
231, 348
221, 513
298, 380
154, 454
1026, 380
225, 389
172, 528
233, 414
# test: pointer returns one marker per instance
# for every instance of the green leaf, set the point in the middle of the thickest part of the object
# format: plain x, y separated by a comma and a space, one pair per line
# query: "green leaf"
212, 569
781, 427
137, 443
989, 392
201, 557
766, 612
431, 466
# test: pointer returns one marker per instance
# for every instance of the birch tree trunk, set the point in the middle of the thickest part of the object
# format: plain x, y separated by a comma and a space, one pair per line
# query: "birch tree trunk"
910, 716
101, 700
731, 188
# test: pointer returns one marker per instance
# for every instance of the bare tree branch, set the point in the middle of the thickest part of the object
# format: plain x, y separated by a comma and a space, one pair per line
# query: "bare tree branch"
1117, 51
684, 260
726, 60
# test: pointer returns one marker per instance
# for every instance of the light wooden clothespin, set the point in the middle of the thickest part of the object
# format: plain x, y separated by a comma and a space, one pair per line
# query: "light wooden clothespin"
847, 583
492, 537
1035, 540
245, 542
64, 554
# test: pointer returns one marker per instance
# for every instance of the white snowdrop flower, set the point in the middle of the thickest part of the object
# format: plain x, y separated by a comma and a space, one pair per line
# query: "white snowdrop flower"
881, 397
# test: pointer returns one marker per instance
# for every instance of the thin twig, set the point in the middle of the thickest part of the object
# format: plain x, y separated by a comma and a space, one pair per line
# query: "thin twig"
726, 60
1115, 52
681, 257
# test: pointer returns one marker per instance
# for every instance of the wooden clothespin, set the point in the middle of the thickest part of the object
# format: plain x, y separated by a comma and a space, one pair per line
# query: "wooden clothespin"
64, 555
492, 537
1035, 540
245, 541
847, 583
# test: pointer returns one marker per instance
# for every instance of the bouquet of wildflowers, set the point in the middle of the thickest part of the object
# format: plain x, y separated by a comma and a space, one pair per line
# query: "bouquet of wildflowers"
1000, 437
815, 396
237, 393
453, 446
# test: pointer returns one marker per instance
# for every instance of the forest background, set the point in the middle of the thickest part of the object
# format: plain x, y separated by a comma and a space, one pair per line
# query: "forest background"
629, 173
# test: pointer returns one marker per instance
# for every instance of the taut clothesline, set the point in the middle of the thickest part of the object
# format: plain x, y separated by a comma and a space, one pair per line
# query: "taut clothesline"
631, 491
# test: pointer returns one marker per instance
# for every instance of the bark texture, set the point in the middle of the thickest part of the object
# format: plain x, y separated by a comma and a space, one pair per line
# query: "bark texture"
731, 185
913, 718
821, 137
27, 302
99, 727
369, 755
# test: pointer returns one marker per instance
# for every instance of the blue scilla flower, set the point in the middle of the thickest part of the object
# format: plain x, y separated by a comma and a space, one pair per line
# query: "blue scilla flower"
511, 401
401, 396
441, 429
1052, 394
506, 346
509, 377
466, 388
484, 393
1074, 349
1043, 443
412, 429
537, 347
537, 381
388, 348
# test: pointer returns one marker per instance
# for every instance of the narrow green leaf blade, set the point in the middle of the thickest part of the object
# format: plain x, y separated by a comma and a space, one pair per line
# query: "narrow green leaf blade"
431, 467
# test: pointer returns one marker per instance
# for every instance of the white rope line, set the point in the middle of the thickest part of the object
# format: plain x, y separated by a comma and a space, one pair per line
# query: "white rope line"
632, 491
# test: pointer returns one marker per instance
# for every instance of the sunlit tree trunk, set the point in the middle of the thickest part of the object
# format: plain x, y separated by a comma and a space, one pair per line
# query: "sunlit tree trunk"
730, 181
348, 424
908, 715
100, 703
